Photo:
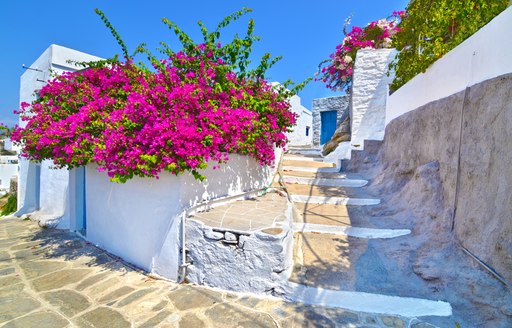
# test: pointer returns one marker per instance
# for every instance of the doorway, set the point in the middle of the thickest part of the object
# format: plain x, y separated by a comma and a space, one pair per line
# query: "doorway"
327, 125
80, 201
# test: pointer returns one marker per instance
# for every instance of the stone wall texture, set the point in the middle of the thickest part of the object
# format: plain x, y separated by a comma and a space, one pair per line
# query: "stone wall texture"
340, 104
369, 95
479, 187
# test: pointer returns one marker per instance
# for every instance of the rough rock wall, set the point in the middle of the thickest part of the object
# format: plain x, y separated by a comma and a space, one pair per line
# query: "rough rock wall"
483, 222
340, 104
432, 133
255, 262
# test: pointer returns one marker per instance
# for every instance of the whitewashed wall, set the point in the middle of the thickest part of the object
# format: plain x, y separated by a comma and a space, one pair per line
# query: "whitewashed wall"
139, 220
298, 136
485, 55
42, 188
369, 94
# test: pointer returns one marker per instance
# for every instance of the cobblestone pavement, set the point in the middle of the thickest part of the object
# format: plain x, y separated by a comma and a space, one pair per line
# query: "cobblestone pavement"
52, 278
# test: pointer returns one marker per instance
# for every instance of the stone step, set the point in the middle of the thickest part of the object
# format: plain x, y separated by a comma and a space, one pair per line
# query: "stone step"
350, 231
307, 158
293, 168
306, 163
321, 175
338, 264
340, 215
334, 200
304, 151
326, 191
328, 182
367, 302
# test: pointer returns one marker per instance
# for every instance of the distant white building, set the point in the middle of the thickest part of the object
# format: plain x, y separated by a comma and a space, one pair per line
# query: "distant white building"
8, 165
9, 145
302, 133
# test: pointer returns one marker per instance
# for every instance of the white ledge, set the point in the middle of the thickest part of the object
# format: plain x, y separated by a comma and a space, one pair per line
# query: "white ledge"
350, 231
367, 302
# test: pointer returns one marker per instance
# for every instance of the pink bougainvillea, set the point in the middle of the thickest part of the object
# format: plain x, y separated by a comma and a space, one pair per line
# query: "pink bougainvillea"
337, 74
191, 111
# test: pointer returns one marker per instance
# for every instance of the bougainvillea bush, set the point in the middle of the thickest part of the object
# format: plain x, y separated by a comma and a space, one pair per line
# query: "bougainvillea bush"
191, 110
337, 74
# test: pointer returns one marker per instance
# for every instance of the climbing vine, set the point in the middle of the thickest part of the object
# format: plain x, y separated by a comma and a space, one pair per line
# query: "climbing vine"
337, 71
431, 28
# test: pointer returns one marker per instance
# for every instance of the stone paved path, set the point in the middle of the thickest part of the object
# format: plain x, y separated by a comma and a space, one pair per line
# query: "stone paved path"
52, 278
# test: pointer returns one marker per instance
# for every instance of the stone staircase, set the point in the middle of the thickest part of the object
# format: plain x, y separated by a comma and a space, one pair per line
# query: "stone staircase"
336, 262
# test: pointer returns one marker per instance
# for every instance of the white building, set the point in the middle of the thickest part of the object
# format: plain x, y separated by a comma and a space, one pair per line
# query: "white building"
40, 187
302, 134
141, 219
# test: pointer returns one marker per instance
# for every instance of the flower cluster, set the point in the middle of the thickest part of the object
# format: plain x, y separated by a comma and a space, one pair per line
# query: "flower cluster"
190, 111
378, 34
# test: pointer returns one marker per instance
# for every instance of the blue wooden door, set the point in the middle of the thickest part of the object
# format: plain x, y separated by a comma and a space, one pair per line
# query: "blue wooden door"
80, 201
328, 125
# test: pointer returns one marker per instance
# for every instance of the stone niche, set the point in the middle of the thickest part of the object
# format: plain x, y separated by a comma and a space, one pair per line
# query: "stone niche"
340, 104
226, 250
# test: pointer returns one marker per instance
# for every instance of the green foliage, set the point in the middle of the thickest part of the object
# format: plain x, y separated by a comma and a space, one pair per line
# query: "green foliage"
236, 53
431, 28
10, 206
114, 32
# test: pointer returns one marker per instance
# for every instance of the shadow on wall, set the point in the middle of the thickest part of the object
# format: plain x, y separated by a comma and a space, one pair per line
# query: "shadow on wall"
240, 174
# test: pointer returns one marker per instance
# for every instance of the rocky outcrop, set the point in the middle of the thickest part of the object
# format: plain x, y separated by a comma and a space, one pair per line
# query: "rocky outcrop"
445, 167
341, 134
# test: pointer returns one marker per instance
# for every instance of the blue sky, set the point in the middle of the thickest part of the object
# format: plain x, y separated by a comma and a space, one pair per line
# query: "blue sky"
304, 32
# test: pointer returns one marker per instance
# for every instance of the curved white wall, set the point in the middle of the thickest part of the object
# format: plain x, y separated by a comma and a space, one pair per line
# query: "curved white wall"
369, 95
140, 219
485, 55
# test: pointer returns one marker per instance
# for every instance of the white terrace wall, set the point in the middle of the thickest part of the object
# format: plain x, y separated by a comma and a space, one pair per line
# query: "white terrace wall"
140, 219
369, 95
483, 56
302, 133
40, 186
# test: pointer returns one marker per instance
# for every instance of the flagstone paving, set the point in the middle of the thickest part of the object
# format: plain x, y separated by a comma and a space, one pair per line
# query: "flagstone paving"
52, 278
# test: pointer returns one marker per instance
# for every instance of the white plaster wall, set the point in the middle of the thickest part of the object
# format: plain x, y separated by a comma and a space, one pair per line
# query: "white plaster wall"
485, 55
7, 171
54, 184
140, 219
27, 200
369, 94
54, 195
305, 119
